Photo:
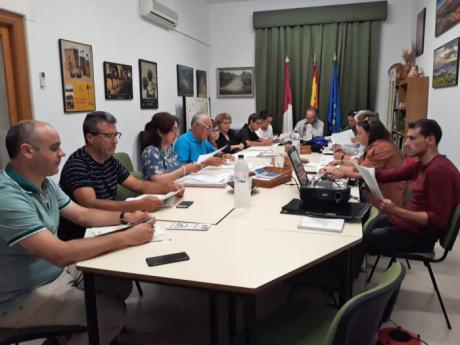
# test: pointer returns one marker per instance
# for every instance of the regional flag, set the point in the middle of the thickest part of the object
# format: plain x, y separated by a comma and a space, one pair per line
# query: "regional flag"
287, 114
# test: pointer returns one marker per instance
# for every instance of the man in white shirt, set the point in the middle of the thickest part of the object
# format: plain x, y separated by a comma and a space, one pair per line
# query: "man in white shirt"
311, 126
265, 130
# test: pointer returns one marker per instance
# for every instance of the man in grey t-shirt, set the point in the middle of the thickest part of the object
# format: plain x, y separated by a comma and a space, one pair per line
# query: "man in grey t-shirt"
42, 287
311, 126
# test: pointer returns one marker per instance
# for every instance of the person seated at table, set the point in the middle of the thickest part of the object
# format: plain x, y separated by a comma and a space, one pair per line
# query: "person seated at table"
351, 122
265, 130
227, 136
379, 152
190, 145
435, 193
40, 285
91, 174
311, 126
248, 135
214, 134
159, 159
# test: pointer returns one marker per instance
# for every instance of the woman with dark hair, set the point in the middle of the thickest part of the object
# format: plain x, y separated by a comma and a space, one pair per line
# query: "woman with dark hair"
379, 153
159, 160
227, 136
214, 134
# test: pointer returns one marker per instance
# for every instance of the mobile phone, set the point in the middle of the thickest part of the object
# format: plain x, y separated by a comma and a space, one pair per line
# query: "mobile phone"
167, 259
184, 204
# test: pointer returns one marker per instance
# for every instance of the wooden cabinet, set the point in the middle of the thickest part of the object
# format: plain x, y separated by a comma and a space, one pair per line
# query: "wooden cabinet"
408, 103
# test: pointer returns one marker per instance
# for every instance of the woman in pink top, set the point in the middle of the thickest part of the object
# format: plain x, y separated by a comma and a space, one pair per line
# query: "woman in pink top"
379, 153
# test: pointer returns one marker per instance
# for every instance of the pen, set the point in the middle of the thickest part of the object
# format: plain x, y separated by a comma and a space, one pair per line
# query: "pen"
164, 240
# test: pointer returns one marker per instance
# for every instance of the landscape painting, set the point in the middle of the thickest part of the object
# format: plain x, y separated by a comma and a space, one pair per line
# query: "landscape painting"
447, 15
445, 65
235, 82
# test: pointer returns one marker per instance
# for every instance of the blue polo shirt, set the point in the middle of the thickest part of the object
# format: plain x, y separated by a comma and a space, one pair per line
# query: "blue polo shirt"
188, 148
24, 211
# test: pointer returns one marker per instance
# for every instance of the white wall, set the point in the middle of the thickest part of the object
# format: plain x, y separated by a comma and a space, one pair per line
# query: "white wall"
233, 44
442, 103
117, 34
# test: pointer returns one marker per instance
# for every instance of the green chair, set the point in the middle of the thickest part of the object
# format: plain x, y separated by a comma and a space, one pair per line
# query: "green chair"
447, 241
50, 333
355, 323
124, 193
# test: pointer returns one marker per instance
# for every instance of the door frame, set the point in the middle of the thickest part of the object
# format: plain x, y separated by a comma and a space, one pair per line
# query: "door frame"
16, 66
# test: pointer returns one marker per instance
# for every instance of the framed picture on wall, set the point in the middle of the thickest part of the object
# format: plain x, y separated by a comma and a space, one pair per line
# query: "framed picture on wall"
201, 86
420, 34
235, 82
184, 81
118, 81
446, 15
445, 65
148, 84
77, 75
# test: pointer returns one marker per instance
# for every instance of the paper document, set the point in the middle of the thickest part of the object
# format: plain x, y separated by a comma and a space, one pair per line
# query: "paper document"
202, 158
368, 175
205, 180
326, 159
168, 198
189, 226
104, 230
325, 224
343, 138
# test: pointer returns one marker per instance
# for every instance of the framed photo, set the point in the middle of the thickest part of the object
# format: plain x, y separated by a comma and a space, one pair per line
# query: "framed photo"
148, 84
235, 82
118, 81
77, 75
445, 65
184, 81
420, 34
201, 85
446, 15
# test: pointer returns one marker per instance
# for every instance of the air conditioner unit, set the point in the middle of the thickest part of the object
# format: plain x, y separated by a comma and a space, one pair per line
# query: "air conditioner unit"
158, 13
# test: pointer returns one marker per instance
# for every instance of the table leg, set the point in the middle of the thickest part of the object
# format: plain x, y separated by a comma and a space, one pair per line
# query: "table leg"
91, 309
231, 318
213, 319
250, 321
346, 291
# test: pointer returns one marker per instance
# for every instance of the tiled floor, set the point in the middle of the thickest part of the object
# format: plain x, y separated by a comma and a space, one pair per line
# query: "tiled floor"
176, 316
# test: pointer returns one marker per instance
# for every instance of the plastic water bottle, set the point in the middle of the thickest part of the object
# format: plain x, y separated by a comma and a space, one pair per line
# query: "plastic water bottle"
242, 183
296, 139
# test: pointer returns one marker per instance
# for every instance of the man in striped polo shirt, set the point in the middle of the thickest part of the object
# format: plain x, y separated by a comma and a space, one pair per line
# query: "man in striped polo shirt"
91, 175
39, 285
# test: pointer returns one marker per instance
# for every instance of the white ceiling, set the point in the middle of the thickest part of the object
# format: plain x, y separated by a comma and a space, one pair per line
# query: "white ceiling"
220, 1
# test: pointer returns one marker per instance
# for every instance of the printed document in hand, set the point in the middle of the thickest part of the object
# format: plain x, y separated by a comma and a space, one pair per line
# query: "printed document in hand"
343, 138
104, 230
168, 198
368, 175
324, 224
202, 158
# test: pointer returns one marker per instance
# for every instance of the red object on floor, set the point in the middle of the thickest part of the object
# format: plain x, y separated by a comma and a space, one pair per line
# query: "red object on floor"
397, 336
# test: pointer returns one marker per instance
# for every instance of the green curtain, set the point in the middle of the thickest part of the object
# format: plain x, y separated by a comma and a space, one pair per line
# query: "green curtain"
356, 45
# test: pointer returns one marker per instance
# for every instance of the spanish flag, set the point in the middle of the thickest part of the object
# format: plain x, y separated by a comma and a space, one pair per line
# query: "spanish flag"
314, 88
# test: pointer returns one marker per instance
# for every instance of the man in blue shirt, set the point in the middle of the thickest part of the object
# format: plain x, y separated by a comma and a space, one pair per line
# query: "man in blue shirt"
39, 284
190, 145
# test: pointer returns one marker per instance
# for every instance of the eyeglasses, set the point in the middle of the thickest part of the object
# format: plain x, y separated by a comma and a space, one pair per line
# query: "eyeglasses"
109, 135
209, 128
174, 130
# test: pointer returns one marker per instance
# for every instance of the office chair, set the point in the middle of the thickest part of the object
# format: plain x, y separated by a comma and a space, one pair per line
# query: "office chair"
447, 241
50, 333
124, 193
355, 323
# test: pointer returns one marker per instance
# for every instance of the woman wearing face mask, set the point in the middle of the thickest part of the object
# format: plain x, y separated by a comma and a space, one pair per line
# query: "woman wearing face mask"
379, 152
159, 160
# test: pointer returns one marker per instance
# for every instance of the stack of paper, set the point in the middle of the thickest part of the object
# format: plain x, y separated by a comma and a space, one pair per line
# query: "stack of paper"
343, 138
325, 224
205, 180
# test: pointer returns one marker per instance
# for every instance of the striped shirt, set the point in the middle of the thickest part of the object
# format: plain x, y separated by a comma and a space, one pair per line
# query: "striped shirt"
81, 170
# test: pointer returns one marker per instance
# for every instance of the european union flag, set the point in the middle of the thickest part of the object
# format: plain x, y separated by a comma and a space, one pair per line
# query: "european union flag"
334, 117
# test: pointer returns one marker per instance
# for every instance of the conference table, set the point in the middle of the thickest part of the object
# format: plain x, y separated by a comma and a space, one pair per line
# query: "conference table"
245, 252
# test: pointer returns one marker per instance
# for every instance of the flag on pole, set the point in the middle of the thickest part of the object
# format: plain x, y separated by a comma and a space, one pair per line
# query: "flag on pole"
334, 117
287, 114
314, 87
